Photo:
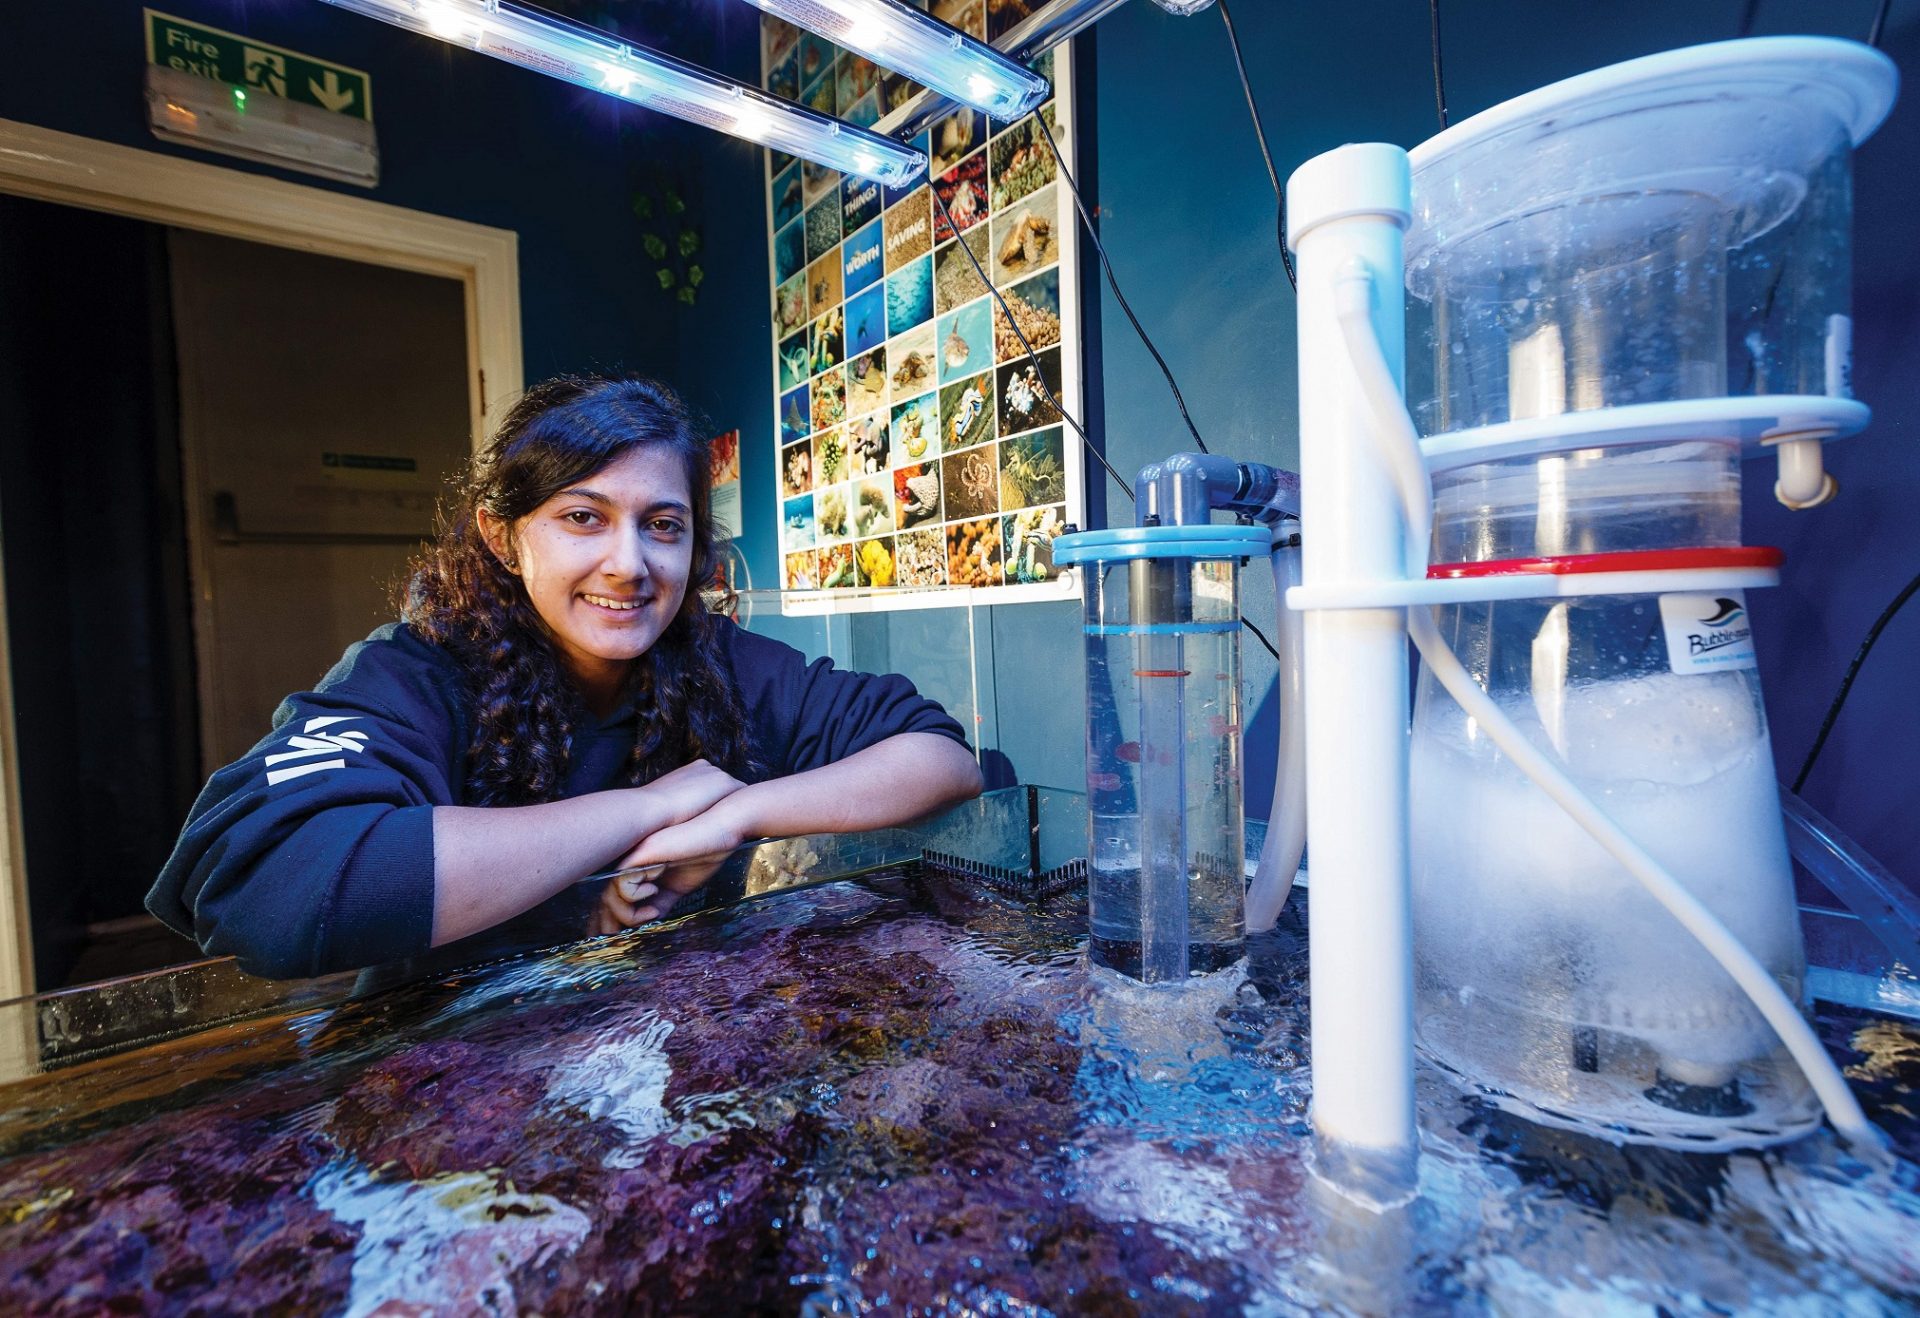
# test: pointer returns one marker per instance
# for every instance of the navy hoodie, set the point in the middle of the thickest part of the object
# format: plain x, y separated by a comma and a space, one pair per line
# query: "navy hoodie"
314, 851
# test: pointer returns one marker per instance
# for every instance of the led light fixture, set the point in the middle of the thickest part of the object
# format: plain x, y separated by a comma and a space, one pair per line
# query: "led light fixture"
603, 62
895, 35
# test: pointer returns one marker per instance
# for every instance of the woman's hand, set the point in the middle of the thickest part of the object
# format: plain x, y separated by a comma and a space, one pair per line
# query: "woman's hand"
709, 835
652, 899
905, 776
691, 850
687, 792
620, 905
492, 863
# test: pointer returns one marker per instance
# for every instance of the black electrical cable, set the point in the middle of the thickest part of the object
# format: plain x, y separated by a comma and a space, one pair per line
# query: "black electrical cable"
1260, 135
1106, 265
1879, 23
1086, 222
1748, 13
1439, 80
1280, 218
1853, 671
1033, 357
1261, 636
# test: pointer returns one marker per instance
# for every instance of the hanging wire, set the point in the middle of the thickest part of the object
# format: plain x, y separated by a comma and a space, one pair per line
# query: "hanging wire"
1086, 222
1748, 13
1879, 23
1033, 357
1261, 636
1260, 134
1439, 79
1853, 671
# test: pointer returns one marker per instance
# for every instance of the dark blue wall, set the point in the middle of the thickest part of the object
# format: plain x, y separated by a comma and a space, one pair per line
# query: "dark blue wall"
725, 345
1188, 215
460, 135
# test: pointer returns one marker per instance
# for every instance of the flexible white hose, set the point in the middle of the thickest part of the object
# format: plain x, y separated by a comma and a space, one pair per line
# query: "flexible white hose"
1393, 428
1287, 821
1400, 445
1752, 977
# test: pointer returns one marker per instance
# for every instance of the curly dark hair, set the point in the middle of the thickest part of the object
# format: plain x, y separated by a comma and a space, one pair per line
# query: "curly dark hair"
461, 597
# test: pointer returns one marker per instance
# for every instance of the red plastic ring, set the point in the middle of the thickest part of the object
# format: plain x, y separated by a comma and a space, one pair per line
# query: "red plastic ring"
1638, 560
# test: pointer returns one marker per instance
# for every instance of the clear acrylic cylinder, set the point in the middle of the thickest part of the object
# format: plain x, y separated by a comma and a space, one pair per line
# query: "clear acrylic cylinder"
1545, 977
1166, 842
1676, 227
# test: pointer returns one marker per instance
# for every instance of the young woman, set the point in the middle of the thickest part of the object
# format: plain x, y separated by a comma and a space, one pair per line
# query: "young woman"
556, 702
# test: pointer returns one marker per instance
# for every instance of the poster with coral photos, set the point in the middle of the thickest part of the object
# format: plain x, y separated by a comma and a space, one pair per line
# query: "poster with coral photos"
917, 443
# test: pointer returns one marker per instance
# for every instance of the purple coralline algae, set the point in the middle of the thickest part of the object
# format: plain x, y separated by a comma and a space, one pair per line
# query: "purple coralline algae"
837, 1094
889, 1095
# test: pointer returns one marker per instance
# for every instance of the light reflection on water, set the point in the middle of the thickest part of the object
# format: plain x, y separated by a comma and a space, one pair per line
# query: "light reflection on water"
883, 1095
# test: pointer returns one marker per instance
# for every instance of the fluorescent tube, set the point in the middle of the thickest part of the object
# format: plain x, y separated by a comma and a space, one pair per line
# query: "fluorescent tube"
895, 35
603, 62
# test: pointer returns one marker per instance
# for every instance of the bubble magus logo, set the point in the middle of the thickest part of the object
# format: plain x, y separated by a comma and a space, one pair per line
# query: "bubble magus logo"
1725, 612
1725, 626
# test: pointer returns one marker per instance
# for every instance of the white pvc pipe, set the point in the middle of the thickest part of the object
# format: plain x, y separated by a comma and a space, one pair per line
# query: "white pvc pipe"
1287, 820
1393, 430
1352, 204
1804, 481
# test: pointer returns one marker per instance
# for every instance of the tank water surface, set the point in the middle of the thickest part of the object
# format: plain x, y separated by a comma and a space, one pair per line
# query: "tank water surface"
892, 1094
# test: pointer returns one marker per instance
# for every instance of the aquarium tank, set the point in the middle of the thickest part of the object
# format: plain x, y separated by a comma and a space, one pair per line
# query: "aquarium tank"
868, 1074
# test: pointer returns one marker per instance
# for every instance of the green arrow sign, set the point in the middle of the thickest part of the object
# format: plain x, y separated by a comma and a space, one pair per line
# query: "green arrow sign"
207, 52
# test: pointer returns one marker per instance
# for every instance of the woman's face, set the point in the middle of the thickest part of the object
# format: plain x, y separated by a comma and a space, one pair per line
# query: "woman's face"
605, 562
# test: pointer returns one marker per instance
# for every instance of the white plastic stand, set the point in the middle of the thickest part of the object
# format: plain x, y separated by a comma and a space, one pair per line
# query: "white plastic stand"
1353, 204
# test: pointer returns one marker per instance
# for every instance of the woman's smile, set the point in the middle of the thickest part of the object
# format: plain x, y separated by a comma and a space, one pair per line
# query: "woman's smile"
613, 605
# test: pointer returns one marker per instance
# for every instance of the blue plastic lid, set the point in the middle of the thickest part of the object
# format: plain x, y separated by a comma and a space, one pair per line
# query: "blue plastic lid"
1126, 542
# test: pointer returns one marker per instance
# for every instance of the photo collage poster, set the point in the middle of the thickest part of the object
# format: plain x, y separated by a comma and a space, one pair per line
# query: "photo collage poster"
916, 445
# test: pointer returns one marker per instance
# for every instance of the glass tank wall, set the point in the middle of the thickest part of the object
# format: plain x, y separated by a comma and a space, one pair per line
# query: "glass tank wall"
877, 1084
996, 668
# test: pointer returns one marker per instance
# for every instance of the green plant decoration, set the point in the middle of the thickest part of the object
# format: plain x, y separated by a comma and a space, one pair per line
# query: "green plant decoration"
671, 239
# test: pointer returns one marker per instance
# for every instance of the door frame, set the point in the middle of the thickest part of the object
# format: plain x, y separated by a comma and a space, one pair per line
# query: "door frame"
45, 165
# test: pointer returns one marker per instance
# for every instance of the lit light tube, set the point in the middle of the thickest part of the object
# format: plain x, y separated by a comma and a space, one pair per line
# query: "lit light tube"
603, 62
895, 35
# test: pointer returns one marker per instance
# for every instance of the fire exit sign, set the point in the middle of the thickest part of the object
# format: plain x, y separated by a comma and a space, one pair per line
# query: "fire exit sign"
208, 52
